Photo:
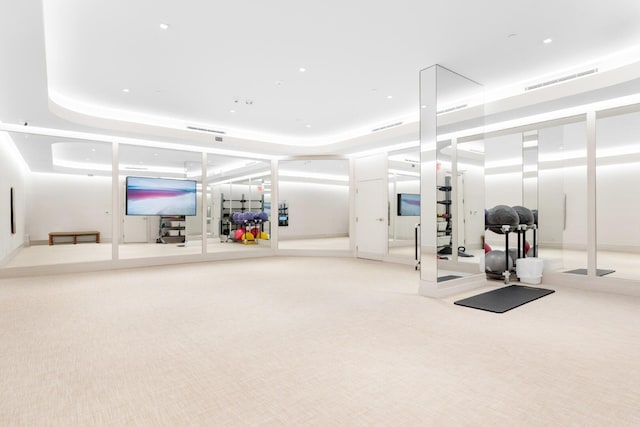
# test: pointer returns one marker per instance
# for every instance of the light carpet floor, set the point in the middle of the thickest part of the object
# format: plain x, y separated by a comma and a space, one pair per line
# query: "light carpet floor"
307, 342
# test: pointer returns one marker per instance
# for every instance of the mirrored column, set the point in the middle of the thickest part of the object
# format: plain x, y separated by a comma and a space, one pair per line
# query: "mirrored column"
451, 108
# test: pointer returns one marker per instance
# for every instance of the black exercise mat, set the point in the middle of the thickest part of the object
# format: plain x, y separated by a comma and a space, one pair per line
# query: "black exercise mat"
583, 271
504, 299
449, 277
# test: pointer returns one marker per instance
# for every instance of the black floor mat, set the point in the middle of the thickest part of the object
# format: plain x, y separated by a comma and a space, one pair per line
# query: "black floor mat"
504, 299
449, 277
583, 271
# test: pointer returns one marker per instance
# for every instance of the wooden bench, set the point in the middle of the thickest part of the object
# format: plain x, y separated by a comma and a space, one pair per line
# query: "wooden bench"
73, 234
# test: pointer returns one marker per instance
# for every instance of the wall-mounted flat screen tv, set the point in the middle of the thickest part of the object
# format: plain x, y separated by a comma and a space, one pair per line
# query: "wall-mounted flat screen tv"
160, 196
408, 204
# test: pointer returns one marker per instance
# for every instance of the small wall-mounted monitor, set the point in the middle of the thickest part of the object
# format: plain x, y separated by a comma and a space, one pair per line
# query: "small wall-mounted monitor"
160, 196
408, 204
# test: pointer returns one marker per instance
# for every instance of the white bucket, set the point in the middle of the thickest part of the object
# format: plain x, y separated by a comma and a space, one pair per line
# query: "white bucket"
529, 270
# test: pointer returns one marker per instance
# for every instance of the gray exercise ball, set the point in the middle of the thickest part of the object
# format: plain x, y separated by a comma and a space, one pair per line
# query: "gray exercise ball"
502, 215
494, 262
524, 214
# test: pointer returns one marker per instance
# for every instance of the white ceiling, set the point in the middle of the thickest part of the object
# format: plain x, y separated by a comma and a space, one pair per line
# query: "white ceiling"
356, 54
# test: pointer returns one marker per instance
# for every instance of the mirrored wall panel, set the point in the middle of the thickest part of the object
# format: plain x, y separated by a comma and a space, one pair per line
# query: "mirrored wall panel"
617, 183
404, 203
562, 196
313, 206
469, 238
503, 192
451, 112
161, 196
65, 208
239, 194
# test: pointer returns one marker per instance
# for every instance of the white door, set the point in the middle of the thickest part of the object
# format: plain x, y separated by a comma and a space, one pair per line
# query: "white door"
135, 229
372, 218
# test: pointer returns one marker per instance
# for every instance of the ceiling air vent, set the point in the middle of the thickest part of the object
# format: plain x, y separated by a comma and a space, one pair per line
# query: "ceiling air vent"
386, 127
199, 129
561, 79
448, 110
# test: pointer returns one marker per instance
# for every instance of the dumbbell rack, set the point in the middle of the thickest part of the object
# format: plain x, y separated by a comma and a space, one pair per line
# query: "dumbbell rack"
521, 230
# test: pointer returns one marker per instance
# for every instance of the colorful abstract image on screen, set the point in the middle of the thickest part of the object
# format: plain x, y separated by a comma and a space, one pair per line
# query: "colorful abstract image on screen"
160, 196
408, 204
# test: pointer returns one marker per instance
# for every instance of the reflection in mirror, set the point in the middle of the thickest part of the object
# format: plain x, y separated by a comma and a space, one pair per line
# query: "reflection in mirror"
503, 191
240, 191
404, 203
161, 196
562, 201
471, 185
530, 170
450, 103
317, 202
66, 197
617, 181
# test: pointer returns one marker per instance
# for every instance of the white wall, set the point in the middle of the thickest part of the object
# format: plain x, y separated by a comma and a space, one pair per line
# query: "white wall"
12, 174
59, 202
315, 210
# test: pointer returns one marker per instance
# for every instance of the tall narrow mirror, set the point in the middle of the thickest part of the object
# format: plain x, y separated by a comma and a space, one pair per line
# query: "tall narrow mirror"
451, 104
562, 201
617, 180
404, 204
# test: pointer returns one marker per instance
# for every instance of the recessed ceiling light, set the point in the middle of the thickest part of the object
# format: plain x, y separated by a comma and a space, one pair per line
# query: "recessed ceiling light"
232, 111
126, 90
93, 149
164, 26
547, 41
389, 96
156, 154
423, 106
308, 126
302, 69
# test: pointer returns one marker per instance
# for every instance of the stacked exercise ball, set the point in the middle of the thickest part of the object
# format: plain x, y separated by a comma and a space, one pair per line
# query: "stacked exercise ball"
501, 215
245, 217
495, 262
246, 220
524, 214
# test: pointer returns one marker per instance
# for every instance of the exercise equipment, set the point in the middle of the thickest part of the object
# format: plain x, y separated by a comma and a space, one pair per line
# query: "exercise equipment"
501, 215
495, 262
238, 233
525, 215
504, 299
